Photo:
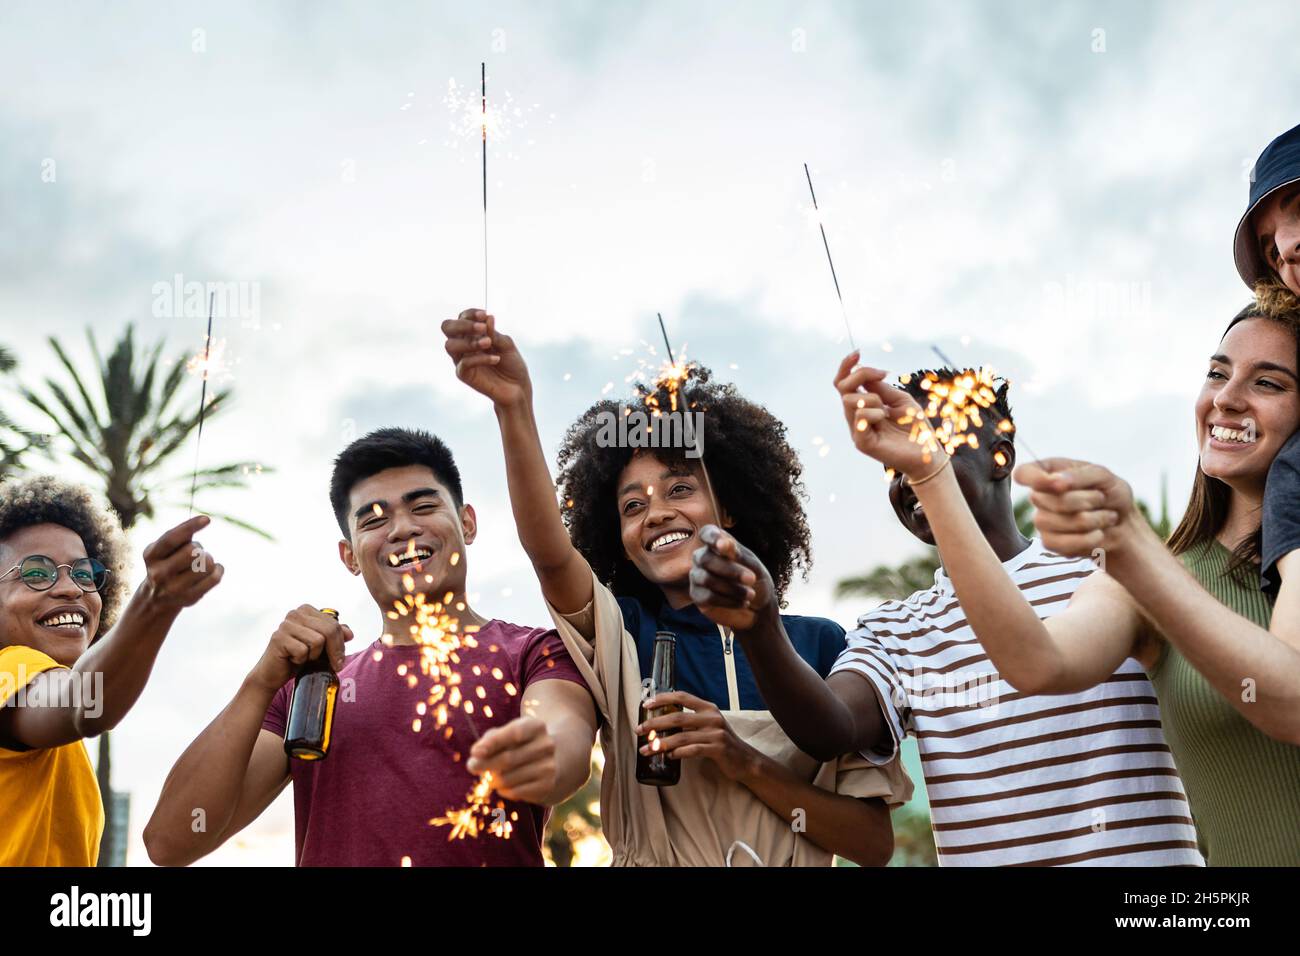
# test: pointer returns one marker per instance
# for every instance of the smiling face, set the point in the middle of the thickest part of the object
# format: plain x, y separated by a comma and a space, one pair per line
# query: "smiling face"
404, 521
28, 617
1249, 405
661, 508
1277, 230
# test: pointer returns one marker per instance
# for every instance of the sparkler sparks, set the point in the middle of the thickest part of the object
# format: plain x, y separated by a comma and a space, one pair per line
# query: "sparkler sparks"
442, 642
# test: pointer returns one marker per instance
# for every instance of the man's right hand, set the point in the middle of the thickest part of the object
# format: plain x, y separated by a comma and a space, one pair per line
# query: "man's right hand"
303, 635
486, 360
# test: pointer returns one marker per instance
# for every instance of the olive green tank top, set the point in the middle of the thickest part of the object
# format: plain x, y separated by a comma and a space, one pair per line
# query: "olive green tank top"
1243, 786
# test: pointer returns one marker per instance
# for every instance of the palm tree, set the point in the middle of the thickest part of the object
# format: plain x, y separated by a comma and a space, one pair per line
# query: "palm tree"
15, 441
125, 434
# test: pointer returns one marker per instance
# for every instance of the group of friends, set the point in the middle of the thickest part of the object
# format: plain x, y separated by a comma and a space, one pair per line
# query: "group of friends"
1095, 695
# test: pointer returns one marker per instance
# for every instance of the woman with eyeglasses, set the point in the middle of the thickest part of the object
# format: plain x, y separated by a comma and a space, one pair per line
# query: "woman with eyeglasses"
62, 677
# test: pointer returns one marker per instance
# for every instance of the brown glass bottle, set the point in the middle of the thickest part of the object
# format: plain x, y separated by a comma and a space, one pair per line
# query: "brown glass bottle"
311, 713
659, 770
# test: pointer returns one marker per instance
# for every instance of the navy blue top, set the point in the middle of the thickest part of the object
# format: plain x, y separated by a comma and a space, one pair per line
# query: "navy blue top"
701, 666
1281, 520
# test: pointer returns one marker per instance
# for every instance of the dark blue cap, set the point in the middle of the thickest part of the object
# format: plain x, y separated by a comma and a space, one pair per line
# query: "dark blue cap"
1277, 166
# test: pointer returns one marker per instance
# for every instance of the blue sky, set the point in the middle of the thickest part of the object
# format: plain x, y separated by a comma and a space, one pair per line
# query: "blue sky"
1050, 189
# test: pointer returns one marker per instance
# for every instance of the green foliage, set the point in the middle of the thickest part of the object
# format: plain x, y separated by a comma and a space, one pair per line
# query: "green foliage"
126, 422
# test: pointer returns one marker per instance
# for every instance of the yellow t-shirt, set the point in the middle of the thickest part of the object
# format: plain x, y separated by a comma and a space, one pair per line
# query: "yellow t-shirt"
50, 810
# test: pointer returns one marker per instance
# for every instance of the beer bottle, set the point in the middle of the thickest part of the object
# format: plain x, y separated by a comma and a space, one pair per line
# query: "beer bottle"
659, 770
311, 714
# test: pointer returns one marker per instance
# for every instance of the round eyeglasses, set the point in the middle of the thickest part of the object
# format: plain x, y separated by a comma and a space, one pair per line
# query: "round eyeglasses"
39, 573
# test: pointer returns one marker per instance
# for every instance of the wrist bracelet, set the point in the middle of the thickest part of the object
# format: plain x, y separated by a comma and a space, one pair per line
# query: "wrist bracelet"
920, 481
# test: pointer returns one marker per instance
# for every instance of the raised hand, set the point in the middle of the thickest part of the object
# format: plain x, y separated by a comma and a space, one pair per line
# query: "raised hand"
1081, 507
728, 583
177, 570
487, 360
873, 410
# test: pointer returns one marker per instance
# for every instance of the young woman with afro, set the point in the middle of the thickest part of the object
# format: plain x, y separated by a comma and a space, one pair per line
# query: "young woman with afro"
615, 565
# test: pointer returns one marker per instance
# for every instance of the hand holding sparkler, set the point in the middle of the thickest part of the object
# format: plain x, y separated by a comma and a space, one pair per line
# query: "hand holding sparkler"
1080, 506
885, 422
520, 757
487, 360
728, 583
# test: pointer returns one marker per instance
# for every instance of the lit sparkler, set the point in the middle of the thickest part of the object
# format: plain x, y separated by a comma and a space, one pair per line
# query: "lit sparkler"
205, 367
437, 631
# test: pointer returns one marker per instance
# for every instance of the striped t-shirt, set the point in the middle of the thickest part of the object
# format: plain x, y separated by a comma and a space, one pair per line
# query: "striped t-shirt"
1020, 779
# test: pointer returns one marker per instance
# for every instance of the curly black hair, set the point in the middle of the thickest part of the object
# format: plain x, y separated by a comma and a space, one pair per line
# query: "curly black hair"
45, 499
754, 472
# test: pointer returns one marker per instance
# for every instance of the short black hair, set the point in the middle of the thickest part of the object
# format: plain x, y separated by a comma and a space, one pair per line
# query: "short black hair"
998, 411
390, 448
753, 470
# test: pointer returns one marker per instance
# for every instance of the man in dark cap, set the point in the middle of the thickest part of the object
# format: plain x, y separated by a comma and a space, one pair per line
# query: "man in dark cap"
1267, 244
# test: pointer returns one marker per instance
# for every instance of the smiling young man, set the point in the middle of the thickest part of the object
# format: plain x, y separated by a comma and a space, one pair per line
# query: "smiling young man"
1013, 778
63, 677
1266, 245
395, 763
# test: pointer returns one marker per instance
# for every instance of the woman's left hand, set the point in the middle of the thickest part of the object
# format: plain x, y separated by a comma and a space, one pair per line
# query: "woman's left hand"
1082, 509
728, 583
702, 731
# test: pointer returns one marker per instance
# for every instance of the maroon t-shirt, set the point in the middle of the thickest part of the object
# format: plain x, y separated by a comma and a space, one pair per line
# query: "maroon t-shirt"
370, 801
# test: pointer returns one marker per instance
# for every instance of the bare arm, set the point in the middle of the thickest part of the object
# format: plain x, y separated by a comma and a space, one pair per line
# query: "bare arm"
1232, 653
220, 784
489, 362
103, 685
1071, 651
543, 757
234, 769
858, 829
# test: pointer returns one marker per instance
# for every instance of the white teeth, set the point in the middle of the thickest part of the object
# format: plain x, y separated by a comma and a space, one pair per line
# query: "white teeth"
65, 620
408, 557
1232, 434
670, 538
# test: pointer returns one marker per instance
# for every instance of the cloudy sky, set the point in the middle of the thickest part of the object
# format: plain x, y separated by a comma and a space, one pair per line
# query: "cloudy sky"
1047, 188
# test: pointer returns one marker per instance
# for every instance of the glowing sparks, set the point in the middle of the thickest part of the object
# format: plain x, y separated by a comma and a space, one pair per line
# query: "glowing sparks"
953, 406
210, 363
478, 815
442, 643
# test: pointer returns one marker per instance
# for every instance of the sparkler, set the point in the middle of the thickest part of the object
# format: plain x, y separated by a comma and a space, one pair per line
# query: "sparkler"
484, 125
670, 378
441, 640
203, 398
831, 262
